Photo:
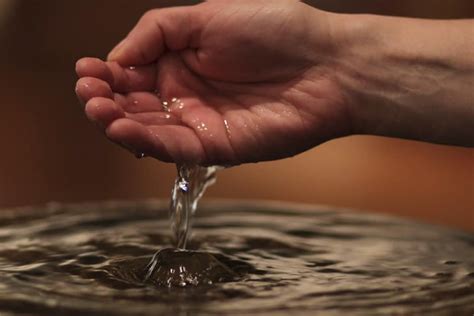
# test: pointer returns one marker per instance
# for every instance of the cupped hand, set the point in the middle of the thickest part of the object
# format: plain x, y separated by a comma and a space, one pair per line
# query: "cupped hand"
223, 82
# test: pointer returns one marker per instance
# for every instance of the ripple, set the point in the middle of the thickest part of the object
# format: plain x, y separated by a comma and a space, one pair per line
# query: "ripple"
92, 259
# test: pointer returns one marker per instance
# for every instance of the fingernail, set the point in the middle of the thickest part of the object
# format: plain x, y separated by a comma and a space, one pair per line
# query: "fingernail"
115, 53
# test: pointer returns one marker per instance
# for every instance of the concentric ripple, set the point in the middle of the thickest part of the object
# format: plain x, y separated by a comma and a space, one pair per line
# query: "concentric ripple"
245, 258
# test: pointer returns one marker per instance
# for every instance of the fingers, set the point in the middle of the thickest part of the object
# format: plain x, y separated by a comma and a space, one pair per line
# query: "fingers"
154, 118
121, 79
88, 88
166, 143
137, 102
103, 111
182, 144
132, 131
158, 30
93, 67
136, 137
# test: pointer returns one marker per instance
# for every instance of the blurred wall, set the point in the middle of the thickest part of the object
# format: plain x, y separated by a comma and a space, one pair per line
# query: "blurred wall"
6, 7
50, 151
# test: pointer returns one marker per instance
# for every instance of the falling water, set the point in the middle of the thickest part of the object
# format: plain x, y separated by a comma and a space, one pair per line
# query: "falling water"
189, 187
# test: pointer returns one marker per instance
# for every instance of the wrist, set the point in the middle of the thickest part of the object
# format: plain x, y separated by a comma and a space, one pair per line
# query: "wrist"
344, 47
401, 80
356, 63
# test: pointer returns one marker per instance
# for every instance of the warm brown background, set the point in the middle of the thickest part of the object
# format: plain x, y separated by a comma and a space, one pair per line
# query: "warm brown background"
50, 152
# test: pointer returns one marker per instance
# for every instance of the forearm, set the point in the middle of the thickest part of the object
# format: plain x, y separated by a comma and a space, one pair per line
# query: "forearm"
408, 78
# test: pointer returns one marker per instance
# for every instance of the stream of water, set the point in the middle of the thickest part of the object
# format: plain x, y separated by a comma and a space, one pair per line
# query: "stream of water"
190, 185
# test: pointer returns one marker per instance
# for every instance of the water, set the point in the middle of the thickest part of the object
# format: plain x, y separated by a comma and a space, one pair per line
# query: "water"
190, 185
245, 258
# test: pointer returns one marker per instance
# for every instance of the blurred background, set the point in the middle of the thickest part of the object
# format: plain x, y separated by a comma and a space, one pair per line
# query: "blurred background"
51, 153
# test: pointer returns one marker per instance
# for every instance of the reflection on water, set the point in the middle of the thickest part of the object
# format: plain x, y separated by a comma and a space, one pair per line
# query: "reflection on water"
176, 267
243, 259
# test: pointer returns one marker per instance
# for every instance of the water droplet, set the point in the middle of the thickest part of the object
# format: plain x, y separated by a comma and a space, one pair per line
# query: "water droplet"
202, 127
227, 128
140, 155
174, 100
183, 186
165, 105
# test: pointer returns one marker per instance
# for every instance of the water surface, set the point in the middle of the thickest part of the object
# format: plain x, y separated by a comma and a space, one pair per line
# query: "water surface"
244, 258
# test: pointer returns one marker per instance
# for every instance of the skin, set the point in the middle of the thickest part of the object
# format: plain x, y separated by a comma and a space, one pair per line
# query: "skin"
261, 82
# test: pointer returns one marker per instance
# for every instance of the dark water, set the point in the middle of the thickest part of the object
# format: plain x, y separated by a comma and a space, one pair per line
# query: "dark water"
252, 259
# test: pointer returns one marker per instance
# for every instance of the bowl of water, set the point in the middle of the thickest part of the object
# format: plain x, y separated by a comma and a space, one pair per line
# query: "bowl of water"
252, 258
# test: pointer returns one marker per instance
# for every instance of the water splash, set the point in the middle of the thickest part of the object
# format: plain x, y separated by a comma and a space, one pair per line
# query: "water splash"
189, 187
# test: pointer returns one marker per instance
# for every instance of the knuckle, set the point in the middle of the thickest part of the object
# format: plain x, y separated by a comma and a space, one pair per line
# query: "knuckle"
150, 15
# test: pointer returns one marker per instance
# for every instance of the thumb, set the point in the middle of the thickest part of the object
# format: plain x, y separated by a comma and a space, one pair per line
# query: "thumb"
157, 31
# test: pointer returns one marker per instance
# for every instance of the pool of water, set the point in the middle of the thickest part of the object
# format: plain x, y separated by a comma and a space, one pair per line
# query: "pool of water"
244, 258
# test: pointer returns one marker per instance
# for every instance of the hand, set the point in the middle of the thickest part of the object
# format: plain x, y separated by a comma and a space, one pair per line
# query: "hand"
242, 81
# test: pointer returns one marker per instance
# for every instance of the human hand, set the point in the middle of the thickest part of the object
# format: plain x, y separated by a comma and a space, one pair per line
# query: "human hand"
244, 81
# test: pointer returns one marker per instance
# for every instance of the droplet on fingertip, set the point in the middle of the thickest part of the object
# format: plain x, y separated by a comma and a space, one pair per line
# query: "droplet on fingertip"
140, 155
